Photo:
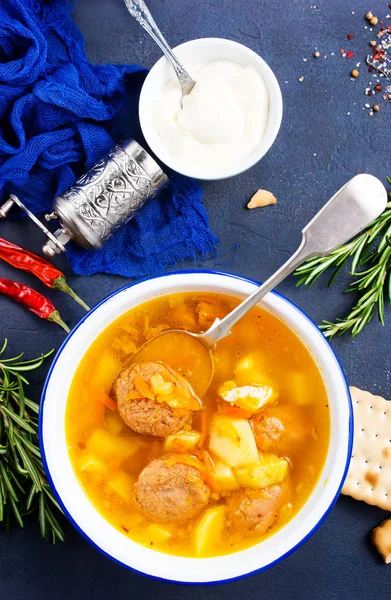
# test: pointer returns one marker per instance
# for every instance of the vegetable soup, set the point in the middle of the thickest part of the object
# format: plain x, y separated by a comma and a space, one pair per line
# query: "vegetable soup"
189, 475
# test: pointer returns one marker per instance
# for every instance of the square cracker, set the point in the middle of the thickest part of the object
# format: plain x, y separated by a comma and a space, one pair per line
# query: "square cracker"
369, 476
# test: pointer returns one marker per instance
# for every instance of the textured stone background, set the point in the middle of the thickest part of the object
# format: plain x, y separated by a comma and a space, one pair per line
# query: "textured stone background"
320, 146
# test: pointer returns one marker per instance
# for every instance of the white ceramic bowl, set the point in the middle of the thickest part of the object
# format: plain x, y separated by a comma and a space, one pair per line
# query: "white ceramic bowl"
117, 546
197, 52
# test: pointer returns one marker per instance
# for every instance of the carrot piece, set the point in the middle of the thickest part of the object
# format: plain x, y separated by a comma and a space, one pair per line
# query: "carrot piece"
209, 475
204, 428
235, 413
107, 401
143, 388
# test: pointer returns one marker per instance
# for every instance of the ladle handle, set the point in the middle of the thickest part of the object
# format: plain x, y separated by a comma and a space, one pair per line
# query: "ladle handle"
222, 328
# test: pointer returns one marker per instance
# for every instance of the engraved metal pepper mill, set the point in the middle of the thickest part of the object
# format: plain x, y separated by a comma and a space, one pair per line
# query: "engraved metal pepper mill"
101, 200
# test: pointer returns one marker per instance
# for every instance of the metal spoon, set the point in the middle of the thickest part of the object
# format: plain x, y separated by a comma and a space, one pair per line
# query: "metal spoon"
139, 10
353, 208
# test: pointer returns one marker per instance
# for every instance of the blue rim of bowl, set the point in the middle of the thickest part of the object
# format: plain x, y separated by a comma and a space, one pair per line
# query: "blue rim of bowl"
69, 516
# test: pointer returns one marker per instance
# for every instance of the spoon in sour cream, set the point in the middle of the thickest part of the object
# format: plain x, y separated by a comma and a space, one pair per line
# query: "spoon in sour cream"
139, 10
350, 210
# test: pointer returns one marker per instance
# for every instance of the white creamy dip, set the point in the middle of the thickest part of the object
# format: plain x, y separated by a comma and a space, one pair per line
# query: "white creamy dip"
222, 120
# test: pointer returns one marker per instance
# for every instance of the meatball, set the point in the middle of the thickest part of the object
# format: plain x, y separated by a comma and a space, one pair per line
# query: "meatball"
281, 428
253, 511
145, 415
170, 492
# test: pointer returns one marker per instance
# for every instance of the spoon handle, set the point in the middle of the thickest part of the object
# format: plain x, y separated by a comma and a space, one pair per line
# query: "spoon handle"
350, 210
221, 329
139, 10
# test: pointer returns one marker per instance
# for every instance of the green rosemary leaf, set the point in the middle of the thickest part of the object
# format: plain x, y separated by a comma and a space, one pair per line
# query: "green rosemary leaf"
30, 446
42, 514
16, 482
56, 529
21, 396
52, 499
334, 275
4, 346
358, 254
16, 511
22, 475
19, 420
28, 465
30, 497
380, 307
32, 405
7, 482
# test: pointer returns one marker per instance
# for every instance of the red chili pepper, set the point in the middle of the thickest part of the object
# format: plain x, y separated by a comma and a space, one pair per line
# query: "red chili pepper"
350, 54
31, 300
38, 266
350, 36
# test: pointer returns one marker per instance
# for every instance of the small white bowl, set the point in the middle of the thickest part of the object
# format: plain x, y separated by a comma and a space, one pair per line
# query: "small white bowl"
194, 53
109, 540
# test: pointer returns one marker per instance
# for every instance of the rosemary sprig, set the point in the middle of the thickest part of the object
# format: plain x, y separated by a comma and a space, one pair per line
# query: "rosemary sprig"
370, 256
24, 488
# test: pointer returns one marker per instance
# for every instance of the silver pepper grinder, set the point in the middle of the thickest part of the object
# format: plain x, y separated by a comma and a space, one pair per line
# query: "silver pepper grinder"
101, 200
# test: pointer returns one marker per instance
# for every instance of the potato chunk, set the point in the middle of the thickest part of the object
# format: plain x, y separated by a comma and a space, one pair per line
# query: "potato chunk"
114, 423
225, 477
91, 463
106, 444
181, 441
271, 470
106, 370
158, 533
209, 529
122, 484
232, 440
252, 369
296, 383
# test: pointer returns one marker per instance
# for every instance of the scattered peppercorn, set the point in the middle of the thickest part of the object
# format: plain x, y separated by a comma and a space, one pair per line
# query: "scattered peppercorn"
378, 87
373, 43
369, 16
374, 21
376, 108
316, 54
350, 36
354, 73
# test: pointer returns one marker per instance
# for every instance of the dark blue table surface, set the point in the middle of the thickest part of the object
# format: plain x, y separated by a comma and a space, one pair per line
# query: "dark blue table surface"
325, 139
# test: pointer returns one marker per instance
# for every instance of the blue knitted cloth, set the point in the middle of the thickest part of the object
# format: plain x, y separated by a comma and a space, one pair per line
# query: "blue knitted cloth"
59, 115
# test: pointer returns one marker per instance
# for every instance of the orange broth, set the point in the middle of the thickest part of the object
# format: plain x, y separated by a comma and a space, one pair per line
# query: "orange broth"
107, 456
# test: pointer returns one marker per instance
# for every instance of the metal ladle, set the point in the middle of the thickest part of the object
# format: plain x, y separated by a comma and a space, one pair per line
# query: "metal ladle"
352, 209
139, 10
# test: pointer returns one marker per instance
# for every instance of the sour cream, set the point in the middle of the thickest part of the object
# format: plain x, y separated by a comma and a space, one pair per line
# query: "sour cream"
220, 122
